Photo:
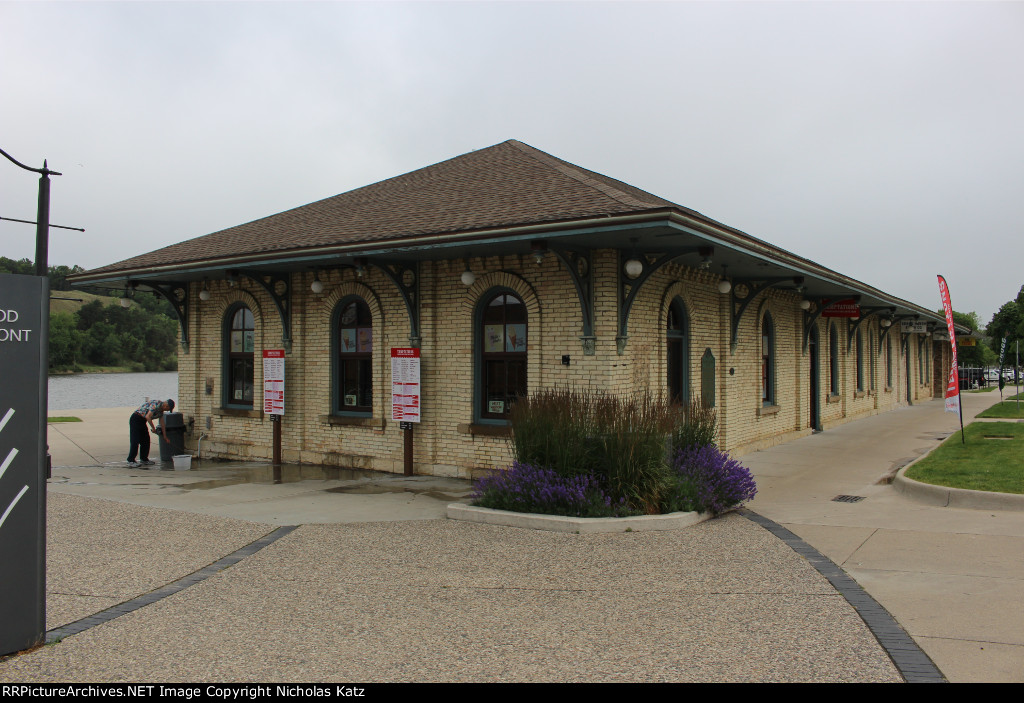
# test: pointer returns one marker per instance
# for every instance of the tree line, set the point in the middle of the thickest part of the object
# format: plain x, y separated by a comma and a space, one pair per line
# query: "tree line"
1008, 324
142, 337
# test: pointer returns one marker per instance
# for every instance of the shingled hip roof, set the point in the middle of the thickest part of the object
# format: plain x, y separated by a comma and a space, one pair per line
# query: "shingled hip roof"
506, 185
486, 199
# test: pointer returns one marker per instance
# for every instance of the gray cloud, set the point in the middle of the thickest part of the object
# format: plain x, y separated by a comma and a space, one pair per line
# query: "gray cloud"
879, 139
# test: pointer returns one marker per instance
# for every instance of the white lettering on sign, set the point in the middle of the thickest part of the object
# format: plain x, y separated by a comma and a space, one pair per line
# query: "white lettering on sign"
12, 335
9, 335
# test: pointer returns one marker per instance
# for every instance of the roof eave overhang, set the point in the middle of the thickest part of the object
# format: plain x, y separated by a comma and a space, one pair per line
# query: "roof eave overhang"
712, 232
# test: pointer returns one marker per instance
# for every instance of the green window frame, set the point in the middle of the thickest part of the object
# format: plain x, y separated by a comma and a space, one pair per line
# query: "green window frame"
860, 362
352, 357
501, 334
677, 353
833, 360
767, 360
239, 340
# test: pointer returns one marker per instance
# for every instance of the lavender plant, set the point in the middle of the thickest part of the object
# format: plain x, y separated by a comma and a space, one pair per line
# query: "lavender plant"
526, 488
708, 480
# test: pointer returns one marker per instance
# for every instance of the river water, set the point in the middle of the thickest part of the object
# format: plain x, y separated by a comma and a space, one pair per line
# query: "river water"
110, 390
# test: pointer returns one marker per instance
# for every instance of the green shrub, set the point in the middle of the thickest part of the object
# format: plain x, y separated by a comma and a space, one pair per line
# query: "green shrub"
625, 441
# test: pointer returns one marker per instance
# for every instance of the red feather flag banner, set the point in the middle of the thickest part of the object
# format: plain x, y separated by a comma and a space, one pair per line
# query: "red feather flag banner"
953, 384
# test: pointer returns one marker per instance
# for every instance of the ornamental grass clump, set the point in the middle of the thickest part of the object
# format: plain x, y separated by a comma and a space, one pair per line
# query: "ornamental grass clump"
696, 427
620, 440
525, 488
709, 481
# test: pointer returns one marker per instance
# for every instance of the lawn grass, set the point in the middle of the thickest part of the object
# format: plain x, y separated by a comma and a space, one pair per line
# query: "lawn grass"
1006, 410
68, 418
986, 389
980, 464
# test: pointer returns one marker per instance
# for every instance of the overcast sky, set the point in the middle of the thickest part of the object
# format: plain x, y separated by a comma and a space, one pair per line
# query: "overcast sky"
882, 140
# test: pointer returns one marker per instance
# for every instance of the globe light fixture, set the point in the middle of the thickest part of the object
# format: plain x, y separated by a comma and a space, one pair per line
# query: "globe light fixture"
634, 267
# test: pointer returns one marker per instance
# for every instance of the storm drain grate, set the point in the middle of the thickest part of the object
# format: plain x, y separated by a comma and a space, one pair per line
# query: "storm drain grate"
848, 499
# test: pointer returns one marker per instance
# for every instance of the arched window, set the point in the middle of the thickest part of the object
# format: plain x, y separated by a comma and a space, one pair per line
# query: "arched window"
501, 343
871, 356
678, 353
352, 344
888, 362
922, 364
240, 344
833, 360
767, 360
860, 362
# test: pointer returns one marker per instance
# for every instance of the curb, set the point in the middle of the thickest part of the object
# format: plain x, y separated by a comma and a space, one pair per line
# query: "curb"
946, 497
582, 525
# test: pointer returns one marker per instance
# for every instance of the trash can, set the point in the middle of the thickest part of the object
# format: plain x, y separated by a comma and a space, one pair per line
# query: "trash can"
174, 424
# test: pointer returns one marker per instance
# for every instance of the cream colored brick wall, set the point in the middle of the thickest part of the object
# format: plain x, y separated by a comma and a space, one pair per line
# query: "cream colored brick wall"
444, 442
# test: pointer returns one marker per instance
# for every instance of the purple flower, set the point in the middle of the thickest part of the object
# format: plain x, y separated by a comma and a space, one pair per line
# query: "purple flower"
531, 489
714, 481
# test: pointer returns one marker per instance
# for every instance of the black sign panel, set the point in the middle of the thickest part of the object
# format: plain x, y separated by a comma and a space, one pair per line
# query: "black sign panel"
24, 300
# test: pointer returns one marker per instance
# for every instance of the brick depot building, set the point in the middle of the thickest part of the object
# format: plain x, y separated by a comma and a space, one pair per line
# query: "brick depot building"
512, 271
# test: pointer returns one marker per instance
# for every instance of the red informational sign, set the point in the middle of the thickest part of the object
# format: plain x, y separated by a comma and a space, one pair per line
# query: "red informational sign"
405, 384
273, 381
953, 385
841, 308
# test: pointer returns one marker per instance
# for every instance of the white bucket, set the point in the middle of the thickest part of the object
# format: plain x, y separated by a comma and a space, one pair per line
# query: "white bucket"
182, 462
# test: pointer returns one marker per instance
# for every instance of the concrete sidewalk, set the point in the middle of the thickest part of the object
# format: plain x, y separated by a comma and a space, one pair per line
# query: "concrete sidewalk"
953, 578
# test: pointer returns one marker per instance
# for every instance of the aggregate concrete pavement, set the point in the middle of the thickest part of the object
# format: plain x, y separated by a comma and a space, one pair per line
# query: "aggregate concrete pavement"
724, 600
952, 577
442, 600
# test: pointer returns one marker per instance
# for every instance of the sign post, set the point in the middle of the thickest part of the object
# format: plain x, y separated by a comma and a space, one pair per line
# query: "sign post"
24, 312
273, 394
405, 396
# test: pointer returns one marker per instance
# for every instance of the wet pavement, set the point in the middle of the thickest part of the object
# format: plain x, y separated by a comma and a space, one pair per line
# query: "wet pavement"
283, 495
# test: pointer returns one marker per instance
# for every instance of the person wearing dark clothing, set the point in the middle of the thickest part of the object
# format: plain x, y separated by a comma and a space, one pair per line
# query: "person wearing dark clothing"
139, 435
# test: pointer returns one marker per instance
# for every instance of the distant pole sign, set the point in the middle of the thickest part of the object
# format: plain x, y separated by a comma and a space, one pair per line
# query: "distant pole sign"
841, 308
405, 384
953, 384
273, 381
913, 327
24, 306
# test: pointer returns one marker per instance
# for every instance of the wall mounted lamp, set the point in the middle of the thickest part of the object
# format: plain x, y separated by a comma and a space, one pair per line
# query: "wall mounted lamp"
468, 277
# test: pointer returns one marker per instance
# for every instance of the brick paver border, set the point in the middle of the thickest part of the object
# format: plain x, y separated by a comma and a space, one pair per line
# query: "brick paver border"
59, 633
913, 664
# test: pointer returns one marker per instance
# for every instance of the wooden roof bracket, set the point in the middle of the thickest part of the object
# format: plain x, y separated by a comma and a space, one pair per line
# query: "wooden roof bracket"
577, 264
406, 277
738, 305
865, 313
279, 289
177, 295
885, 330
810, 318
629, 287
